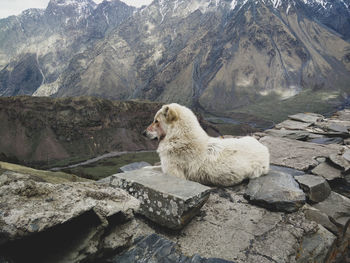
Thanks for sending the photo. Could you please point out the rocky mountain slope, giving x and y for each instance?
(218, 55)
(36, 46)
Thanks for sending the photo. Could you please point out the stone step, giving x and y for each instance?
(166, 200)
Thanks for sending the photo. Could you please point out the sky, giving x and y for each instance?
(15, 7)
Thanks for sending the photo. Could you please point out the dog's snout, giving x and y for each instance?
(144, 133)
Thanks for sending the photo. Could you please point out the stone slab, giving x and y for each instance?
(166, 200)
(327, 171)
(133, 166)
(306, 117)
(296, 154)
(292, 125)
(315, 187)
(276, 191)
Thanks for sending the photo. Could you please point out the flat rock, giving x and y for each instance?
(340, 161)
(277, 191)
(292, 125)
(133, 166)
(315, 187)
(337, 207)
(156, 249)
(296, 154)
(306, 117)
(166, 200)
(327, 171)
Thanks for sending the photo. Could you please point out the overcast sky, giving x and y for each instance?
(15, 7)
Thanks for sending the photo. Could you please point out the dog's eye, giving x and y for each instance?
(156, 121)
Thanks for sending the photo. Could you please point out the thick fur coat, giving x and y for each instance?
(186, 151)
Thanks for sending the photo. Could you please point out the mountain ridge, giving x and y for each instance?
(194, 50)
(215, 55)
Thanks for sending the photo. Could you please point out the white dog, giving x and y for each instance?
(186, 151)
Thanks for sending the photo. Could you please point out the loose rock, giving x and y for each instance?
(327, 171)
(277, 191)
(316, 188)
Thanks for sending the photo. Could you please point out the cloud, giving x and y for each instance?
(15, 7)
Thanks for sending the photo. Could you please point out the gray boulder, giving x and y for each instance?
(277, 191)
(166, 200)
(61, 222)
(316, 188)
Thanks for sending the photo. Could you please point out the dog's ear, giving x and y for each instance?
(170, 114)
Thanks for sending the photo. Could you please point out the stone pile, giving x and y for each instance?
(299, 212)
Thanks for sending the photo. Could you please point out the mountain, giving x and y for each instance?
(36, 46)
(219, 55)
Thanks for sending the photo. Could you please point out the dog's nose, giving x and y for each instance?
(144, 133)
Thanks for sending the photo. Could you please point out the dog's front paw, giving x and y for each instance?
(157, 168)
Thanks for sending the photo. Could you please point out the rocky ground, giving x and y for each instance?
(299, 212)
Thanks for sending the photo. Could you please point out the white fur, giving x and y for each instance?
(186, 151)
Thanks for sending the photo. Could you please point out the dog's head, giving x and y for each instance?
(163, 119)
